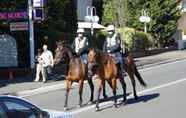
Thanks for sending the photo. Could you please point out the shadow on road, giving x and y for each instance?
(144, 98)
(2, 85)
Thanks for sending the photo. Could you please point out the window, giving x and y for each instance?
(18, 109)
(2, 112)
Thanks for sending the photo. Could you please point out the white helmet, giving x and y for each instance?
(81, 30)
(110, 28)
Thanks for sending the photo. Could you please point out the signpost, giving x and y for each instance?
(38, 3)
(92, 17)
(144, 18)
(38, 10)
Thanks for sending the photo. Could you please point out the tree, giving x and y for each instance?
(61, 22)
(164, 16)
(115, 11)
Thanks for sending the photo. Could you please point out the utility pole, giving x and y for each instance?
(31, 34)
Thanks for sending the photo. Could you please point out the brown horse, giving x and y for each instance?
(107, 69)
(76, 71)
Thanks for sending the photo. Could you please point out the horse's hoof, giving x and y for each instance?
(90, 102)
(115, 105)
(105, 96)
(124, 102)
(79, 106)
(97, 109)
(136, 97)
(65, 108)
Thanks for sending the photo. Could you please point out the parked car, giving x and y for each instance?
(15, 107)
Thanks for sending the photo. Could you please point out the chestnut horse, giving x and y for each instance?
(76, 71)
(107, 69)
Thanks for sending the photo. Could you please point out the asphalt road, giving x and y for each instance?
(163, 98)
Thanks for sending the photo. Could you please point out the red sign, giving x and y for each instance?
(13, 15)
(19, 26)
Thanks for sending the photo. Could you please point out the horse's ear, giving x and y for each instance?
(90, 49)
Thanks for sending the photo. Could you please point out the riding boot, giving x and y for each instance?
(90, 67)
(123, 72)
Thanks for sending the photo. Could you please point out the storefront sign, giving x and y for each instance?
(18, 26)
(13, 15)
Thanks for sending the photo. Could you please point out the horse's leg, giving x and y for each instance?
(114, 91)
(68, 84)
(131, 76)
(91, 88)
(81, 83)
(101, 83)
(104, 91)
(123, 84)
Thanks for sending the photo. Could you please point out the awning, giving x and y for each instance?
(87, 25)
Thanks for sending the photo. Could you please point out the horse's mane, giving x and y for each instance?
(68, 48)
(102, 57)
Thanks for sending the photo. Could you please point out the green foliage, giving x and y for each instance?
(98, 39)
(108, 14)
(115, 11)
(141, 41)
(135, 40)
(164, 16)
(127, 36)
(61, 22)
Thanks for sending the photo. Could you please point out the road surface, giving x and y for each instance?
(163, 98)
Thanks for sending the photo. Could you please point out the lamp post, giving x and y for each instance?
(144, 18)
(33, 5)
(31, 33)
(91, 17)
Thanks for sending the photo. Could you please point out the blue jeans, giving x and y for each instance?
(84, 58)
(119, 60)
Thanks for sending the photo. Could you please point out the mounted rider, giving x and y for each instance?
(81, 45)
(114, 46)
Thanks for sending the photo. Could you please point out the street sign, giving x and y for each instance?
(18, 26)
(38, 14)
(144, 19)
(38, 3)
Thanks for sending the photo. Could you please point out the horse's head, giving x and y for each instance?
(92, 56)
(97, 56)
(63, 53)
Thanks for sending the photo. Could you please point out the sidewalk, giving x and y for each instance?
(25, 85)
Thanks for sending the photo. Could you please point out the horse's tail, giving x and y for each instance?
(140, 79)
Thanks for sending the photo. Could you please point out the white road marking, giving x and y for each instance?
(161, 65)
(131, 95)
